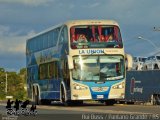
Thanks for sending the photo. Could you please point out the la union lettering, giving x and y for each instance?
(91, 51)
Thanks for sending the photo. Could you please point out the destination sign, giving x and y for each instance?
(91, 51)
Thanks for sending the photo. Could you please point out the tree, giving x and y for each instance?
(23, 76)
(2, 69)
(15, 86)
(22, 71)
(2, 83)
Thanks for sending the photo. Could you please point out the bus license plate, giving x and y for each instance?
(100, 96)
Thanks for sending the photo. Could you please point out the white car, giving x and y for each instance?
(138, 63)
(152, 62)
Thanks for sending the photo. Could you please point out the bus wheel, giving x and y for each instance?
(45, 102)
(110, 102)
(77, 102)
(80, 102)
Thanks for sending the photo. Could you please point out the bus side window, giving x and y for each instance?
(50, 70)
(55, 70)
(41, 72)
(64, 35)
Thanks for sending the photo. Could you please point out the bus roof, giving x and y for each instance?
(91, 22)
(78, 22)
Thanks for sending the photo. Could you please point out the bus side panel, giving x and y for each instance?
(50, 89)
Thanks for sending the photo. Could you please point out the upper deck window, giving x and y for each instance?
(94, 36)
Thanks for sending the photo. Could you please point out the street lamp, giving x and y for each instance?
(154, 45)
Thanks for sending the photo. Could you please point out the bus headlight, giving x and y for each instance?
(79, 87)
(118, 86)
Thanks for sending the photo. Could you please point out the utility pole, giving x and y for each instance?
(6, 83)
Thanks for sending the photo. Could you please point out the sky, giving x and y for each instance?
(21, 19)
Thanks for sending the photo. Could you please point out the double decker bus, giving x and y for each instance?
(76, 61)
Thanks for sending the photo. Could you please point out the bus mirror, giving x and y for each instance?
(70, 62)
(128, 61)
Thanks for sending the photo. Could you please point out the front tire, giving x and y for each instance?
(45, 102)
(77, 102)
(110, 102)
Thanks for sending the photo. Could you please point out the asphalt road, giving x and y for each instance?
(89, 111)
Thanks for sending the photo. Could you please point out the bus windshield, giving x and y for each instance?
(95, 36)
(98, 68)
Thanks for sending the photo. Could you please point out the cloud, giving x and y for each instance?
(12, 48)
(12, 42)
(3, 29)
(28, 2)
(12, 62)
(93, 5)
